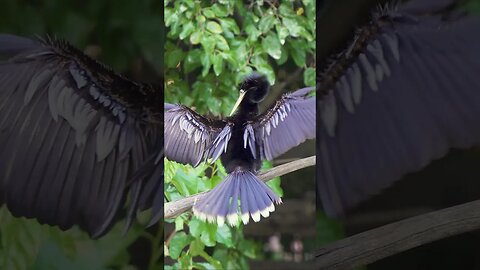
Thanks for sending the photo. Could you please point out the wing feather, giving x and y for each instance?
(415, 95)
(67, 145)
(191, 138)
(288, 123)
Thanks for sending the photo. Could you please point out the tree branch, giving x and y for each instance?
(373, 245)
(173, 209)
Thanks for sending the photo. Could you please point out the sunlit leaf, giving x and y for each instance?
(214, 27)
(293, 26)
(196, 37)
(272, 46)
(266, 23)
(224, 236)
(217, 64)
(187, 29)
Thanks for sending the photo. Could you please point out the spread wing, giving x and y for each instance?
(403, 94)
(73, 135)
(191, 138)
(288, 123)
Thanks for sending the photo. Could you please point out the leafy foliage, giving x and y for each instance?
(210, 47)
(25, 244)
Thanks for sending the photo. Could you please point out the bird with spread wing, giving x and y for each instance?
(241, 141)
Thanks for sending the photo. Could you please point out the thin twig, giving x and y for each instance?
(173, 209)
(373, 245)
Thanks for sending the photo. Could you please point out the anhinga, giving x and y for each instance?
(75, 138)
(403, 93)
(242, 141)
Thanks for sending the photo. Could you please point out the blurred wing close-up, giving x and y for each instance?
(401, 94)
(74, 135)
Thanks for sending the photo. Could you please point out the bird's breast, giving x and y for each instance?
(237, 155)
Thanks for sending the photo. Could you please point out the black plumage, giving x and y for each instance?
(402, 94)
(242, 141)
(75, 138)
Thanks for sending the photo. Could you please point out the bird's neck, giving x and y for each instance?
(247, 110)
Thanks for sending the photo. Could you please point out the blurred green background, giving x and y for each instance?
(128, 36)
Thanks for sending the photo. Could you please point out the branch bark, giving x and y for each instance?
(173, 209)
(373, 245)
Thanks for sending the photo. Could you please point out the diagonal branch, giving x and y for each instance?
(373, 245)
(173, 209)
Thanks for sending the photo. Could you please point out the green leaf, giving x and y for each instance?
(222, 43)
(252, 32)
(224, 236)
(208, 43)
(297, 51)
(266, 23)
(213, 106)
(203, 266)
(293, 27)
(193, 60)
(231, 25)
(275, 185)
(220, 10)
(168, 12)
(185, 183)
(170, 18)
(209, 235)
(262, 66)
(304, 33)
(186, 30)
(217, 64)
(284, 56)
(309, 77)
(286, 10)
(196, 227)
(282, 33)
(179, 223)
(196, 247)
(208, 12)
(240, 53)
(214, 27)
(174, 57)
(272, 46)
(178, 243)
(196, 37)
(184, 262)
(229, 57)
(248, 248)
(201, 19)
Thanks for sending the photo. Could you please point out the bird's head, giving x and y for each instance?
(253, 89)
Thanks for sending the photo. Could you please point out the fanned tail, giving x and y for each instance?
(242, 194)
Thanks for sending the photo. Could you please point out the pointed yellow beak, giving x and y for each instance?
(239, 100)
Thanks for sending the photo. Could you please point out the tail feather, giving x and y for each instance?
(242, 194)
(219, 202)
(232, 216)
